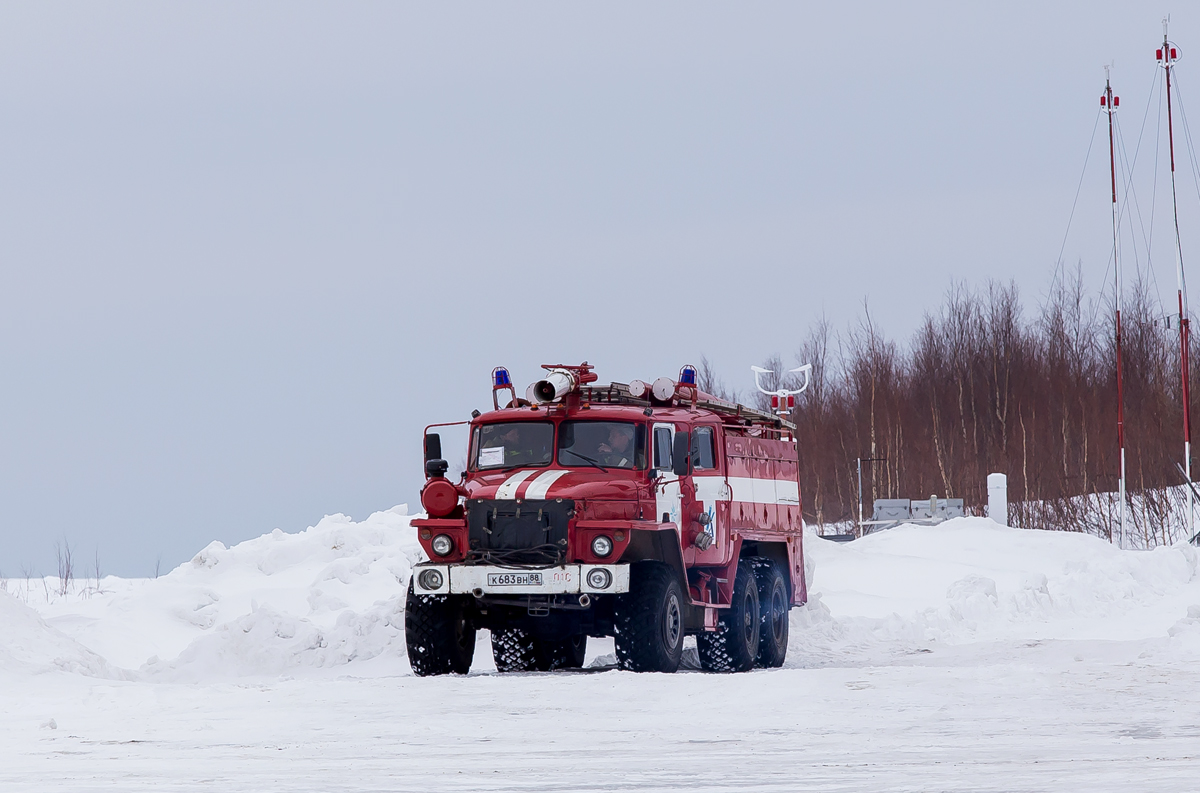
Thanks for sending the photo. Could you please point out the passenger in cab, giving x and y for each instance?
(617, 450)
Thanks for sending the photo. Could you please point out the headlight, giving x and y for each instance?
(442, 544)
(598, 578)
(430, 579)
(602, 546)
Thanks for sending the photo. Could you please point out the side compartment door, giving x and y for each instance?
(667, 496)
(712, 491)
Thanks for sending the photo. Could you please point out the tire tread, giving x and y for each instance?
(720, 650)
(766, 572)
(430, 623)
(638, 636)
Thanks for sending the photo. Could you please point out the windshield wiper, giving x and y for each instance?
(587, 460)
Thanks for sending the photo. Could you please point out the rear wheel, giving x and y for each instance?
(514, 650)
(733, 646)
(649, 620)
(773, 607)
(565, 654)
(439, 633)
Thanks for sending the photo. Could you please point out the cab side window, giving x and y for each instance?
(703, 455)
(662, 448)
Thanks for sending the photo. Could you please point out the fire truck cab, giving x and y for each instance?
(644, 512)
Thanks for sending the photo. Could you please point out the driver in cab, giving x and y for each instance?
(508, 448)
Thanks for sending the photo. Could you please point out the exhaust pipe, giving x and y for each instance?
(557, 383)
(584, 601)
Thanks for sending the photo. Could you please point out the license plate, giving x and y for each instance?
(514, 579)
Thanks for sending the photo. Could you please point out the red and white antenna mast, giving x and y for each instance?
(1166, 58)
(1109, 104)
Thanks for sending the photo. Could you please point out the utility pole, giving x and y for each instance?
(1166, 58)
(1109, 103)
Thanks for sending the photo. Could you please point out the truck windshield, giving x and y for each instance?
(609, 444)
(512, 444)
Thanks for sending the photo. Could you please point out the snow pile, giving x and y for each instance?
(970, 580)
(320, 598)
(330, 599)
(1185, 634)
(30, 645)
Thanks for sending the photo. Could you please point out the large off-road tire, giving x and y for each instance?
(649, 620)
(733, 646)
(773, 606)
(565, 654)
(514, 650)
(439, 633)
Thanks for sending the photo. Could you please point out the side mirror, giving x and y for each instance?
(433, 447)
(435, 466)
(681, 454)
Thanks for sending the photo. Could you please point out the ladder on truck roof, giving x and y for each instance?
(618, 394)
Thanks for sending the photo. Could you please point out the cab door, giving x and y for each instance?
(666, 492)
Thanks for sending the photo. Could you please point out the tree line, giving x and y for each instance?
(984, 387)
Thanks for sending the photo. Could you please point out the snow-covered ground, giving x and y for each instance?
(958, 657)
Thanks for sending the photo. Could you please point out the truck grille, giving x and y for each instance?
(518, 532)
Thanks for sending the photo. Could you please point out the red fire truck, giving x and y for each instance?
(640, 511)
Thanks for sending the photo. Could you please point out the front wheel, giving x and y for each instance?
(649, 620)
(439, 633)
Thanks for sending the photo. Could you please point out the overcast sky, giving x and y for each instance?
(250, 249)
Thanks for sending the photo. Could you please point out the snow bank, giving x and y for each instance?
(330, 599)
(971, 580)
(1185, 634)
(30, 645)
(274, 605)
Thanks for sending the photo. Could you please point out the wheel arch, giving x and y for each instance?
(658, 545)
(777, 552)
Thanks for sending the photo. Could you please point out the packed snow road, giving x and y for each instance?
(959, 657)
(1003, 719)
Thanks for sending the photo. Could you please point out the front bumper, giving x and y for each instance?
(570, 579)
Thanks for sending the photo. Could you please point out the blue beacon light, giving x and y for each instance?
(500, 378)
(687, 375)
